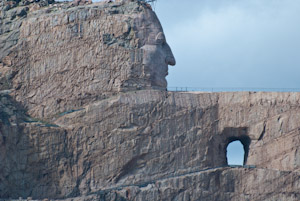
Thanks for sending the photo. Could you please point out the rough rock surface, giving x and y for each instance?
(141, 137)
(85, 115)
(63, 58)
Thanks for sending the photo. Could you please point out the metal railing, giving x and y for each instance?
(232, 89)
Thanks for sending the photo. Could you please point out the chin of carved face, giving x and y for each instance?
(158, 77)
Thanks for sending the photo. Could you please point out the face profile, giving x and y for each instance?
(157, 54)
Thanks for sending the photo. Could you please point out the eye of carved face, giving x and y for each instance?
(160, 38)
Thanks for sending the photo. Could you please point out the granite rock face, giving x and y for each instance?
(85, 115)
(136, 139)
(99, 50)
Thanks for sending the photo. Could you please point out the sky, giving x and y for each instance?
(223, 44)
(232, 43)
(235, 153)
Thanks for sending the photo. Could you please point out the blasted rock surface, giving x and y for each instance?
(138, 138)
(63, 57)
(85, 115)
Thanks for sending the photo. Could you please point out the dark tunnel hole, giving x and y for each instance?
(245, 141)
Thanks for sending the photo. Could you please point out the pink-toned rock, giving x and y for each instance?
(99, 50)
(81, 2)
(85, 115)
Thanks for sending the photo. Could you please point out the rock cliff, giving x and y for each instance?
(61, 57)
(85, 114)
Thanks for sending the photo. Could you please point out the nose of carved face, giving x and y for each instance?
(170, 59)
(160, 40)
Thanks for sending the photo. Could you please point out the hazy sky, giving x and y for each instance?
(233, 43)
(235, 153)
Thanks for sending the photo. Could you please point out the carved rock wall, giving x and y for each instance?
(271, 121)
(85, 115)
(96, 49)
(137, 138)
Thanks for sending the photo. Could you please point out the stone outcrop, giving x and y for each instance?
(143, 137)
(238, 184)
(99, 50)
(85, 115)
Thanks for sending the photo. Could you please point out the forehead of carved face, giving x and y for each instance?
(157, 54)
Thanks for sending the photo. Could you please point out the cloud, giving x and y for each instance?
(233, 43)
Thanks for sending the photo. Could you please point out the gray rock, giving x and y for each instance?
(103, 127)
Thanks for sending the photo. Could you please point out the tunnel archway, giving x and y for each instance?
(235, 153)
(237, 150)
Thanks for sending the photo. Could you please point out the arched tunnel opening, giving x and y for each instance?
(237, 150)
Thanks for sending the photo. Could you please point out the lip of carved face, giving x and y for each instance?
(159, 75)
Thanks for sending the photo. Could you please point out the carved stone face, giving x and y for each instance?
(121, 48)
(157, 54)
